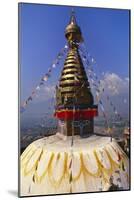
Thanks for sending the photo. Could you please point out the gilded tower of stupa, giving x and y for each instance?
(75, 107)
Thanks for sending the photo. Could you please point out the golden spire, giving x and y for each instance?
(74, 89)
(73, 31)
(74, 82)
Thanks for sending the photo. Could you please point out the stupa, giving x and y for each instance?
(80, 161)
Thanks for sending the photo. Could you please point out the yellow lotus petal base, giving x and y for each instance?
(51, 166)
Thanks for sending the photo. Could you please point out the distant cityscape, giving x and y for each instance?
(35, 128)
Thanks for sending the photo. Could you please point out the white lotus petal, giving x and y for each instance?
(103, 158)
(113, 153)
(90, 162)
(43, 163)
(76, 165)
(33, 159)
(57, 166)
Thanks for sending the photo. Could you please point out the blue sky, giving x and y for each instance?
(105, 31)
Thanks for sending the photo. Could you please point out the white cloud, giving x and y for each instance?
(114, 84)
(117, 88)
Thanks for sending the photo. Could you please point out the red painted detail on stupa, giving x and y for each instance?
(77, 114)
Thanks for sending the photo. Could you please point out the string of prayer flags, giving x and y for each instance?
(91, 71)
(46, 76)
(92, 76)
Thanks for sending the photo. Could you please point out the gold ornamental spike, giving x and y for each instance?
(72, 18)
(73, 31)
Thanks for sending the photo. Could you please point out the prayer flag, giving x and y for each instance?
(29, 98)
(53, 65)
(38, 88)
(66, 47)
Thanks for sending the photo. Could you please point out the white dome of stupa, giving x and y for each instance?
(51, 166)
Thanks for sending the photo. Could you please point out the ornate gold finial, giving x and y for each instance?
(73, 31)
(72, 18)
